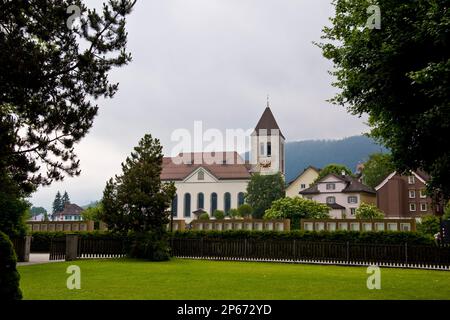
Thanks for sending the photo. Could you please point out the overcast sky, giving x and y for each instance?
(214, 61)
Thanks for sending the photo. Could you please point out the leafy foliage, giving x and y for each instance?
(14, 208)
(50, 76)
(429, 225)
(219, 214)
(9, 277)
(295, 209)
(137, 200)
(368, 211)
(377, 168)
(388, 237)
(337, 169)
(399, 76)
(245, 210)
(262, 190)
(204, 216)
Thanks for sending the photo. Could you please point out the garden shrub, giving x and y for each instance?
(9, 277)
(149, 246)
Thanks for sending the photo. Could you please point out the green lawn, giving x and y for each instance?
(193, 279)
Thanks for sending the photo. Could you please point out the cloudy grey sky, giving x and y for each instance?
(214, 61)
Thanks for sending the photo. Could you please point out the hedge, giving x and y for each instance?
(9, 277)
(41, 240)
(382, 237)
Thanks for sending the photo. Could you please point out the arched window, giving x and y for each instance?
(241, 199)
(227, 202)
(175, 206)
(200, 201)
(201, 175)
(331, 200)
(187, 205)
(213, 202)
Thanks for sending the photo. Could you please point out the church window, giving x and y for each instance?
(213, 202)
(200, 201)
(227, 202)
(201, 175)
(187, 205)
(269, 149)
(241, 199)
(175, 206)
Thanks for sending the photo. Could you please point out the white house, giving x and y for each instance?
(212, 181)
(342, 193)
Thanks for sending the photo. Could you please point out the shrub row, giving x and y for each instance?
(41, 240)
(386, 237)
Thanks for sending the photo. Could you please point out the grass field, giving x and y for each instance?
(193, 279)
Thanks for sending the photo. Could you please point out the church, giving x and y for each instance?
(209, 181)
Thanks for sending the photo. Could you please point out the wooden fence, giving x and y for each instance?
(393, 255)
(22, 248)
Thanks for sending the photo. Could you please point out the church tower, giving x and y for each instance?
(267, 145)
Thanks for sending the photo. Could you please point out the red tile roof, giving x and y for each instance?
(222, 165)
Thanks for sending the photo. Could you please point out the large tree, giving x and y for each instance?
(378, 167)
(334, 168)
(51, 73)
(398, 74)
(262, 190)
(137, 200)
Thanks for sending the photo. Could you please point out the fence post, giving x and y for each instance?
(406, 252)
(71, 247)
(245, 248)
(294, 249)
(348, 251)
(201, 247)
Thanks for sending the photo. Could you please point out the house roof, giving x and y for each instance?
(419, 174)
(268, 122)
(353, 185)
(222, 165)
(335, 206)
(71, 209)
(304, 170)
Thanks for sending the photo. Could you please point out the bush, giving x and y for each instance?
(368, 211)
(9, 277)
(149, 246)
(203, 216)
(234, 213)
(295, 209)
(385, 237)
(245, 210)
(429, 225)
(219, 214)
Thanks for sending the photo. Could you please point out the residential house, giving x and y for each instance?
(303, 181)
(342, 193)
(71, 212)
(404, 196)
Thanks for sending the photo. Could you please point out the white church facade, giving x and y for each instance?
(207, 182)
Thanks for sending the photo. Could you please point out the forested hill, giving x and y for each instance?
(349, 151)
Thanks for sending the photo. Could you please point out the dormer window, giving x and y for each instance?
(411, 180)
(331, 186)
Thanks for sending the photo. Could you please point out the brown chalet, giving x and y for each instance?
(404, 196)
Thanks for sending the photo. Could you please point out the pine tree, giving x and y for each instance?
(137, 200)
(57, 205)
(64, 200)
